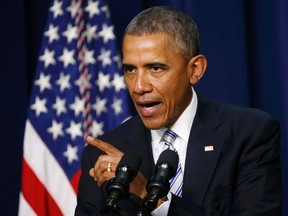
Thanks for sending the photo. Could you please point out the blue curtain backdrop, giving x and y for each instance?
(245, 42)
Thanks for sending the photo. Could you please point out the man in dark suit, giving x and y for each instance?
(230, 156)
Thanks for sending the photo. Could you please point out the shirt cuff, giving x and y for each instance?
(163, 208)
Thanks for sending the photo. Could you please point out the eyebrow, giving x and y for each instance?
(156, 64)
(125, 66)
(148, 65)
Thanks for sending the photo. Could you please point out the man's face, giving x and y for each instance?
(157, 79)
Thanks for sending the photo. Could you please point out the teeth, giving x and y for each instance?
(148, 107)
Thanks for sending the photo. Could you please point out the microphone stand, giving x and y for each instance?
(144, 209)
(149, 203)
(114, 209)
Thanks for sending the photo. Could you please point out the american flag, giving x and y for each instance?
(78, 90)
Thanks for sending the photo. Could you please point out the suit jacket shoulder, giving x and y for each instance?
(246, 153)
(240, 176)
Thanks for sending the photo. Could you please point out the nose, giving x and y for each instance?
(142, 83)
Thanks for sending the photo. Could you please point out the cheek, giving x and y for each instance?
(128, 84)
(168, 90)
(176, 95)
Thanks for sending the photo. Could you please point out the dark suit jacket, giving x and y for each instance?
(242, 176)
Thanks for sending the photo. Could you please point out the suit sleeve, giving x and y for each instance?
(90, 199)
(258, 185)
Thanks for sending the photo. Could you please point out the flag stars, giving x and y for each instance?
(48, 57)
(117, 106)
(103, 81)
(90, 32)
(67, 57)
(39, 106)
(56, 129)
(83, 82)
(118, 82)
(107, 33)
(59, 106)
(63, 82)
(71, 153)
(52, 33)
(43, 82)
(97, 128)
(70, 33)
(78, 81)
(56, 9)
(92, 8)
(100, 106)
(77, 106)
(74, 130)
(118, 61)
(73, 8)
(106, 10)
(89, 57)
(105, 57)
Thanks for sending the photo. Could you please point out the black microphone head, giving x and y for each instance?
(118, 187)
(131, 162)
(169, 157)
(159, 186)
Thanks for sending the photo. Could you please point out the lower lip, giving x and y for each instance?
(148, 111)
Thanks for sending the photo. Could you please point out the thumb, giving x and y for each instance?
(91, 172)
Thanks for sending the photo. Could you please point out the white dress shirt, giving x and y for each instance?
(182, 128)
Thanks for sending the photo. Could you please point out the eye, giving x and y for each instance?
(129, 68)
(156, 69)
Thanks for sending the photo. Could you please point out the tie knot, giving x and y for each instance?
(168, 137)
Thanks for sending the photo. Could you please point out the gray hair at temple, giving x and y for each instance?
(162, 19)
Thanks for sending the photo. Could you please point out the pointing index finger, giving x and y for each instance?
(106, 147)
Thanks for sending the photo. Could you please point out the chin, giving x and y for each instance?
(152, 124)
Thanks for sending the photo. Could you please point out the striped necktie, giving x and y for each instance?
(176, 182)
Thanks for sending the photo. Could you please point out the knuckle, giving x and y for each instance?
(107, 176)
(101, 158)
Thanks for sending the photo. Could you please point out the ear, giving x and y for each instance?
(197, 66)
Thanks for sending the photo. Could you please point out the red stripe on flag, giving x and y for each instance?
(74, 181)
(36, 194)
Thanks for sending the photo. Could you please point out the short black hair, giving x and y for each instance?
(163, 19)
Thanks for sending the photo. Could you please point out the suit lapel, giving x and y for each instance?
(207, 130)
(140, 141)
(200, 164)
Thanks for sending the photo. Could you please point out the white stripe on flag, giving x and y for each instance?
(43, 163)
(24, 207)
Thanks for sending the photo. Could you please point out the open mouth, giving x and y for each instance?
(148, 109)
(149, 105)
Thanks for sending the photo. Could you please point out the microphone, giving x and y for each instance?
(159, 186)
(118, 187)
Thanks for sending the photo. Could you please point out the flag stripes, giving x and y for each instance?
(78, 90)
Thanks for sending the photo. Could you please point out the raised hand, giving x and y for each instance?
(105, 167)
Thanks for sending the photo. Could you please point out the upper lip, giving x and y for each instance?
(145, 102)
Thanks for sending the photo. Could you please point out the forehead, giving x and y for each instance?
(152, 44)
(142, 41)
